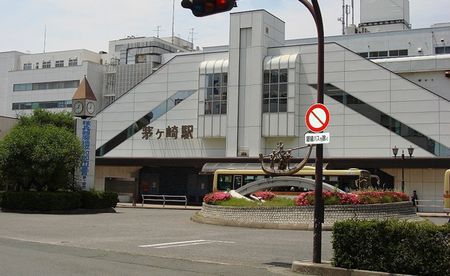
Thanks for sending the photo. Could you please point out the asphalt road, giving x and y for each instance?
(145, 242)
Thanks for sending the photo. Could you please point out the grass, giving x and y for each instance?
(275, 202)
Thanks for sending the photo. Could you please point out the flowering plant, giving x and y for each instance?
(212, 198)
(366, 197)
(330, 198)
(264, 195)
(372, 197)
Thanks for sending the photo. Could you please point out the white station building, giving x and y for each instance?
(387, 86)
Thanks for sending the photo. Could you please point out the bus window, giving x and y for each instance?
(237, 182)
(249, 178)
(225, 182)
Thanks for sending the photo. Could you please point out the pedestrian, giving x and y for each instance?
(414, 199)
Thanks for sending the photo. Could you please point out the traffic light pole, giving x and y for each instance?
(314, 8)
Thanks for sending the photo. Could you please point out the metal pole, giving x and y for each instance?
(403, 172)
(314, 8)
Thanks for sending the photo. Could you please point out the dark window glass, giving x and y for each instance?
(266, 89)
(223, 108)
(282, 105)
(383, 54)
(266, 105)
(274, 90)
(216, 93)
(283, 75)
(283, 90)
(393, 53)
(373, 54)
(403, 53)
(274, 76)
(364, 55)
(266, 76)
(273, 105)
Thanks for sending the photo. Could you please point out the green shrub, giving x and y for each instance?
(98, 200)
(40, 201)
(392, 246)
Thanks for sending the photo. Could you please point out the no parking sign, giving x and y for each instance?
(317, 119)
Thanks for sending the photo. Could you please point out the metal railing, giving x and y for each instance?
(165, 198)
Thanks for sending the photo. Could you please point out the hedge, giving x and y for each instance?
(392, 246)
(98, 200)
(57, 201)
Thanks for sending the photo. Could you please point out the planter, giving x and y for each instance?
(301, 217)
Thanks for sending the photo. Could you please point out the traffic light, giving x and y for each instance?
(207, 7)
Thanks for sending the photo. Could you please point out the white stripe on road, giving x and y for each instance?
(182, 243)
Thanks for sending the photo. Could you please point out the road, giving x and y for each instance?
(145, 242)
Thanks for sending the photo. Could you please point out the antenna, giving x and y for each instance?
(173, 20)
(158, 30)
(353, 12)
(191, 36)
(45, 36)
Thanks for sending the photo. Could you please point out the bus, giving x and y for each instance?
(348, 179)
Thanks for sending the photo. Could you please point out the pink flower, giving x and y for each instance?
(217, 196)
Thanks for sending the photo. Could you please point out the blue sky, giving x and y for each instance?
(90, 24)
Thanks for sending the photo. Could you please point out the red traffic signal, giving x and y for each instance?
(207, 7)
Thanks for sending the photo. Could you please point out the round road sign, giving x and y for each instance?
(317, 117)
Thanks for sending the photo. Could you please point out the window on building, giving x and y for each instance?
(73, 61)
(37, 65)
(216, 93)
(364, 54)
(46, 85)
(46, 105)
(46, 64)
(27, 66)
(59, 63)
(275, 90)
(442, 50)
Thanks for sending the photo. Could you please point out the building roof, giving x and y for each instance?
(84, 91)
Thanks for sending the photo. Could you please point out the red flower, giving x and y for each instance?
(217, 196)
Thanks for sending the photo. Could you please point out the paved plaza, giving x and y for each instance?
(137, 241)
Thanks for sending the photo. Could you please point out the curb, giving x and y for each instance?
(197, 217)
(308, 268)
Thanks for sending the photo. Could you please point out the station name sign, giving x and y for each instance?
(174, 132)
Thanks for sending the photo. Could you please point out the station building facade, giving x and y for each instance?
(229, 104)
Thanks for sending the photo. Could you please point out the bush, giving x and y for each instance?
(392, 246)
(56, 201)
(367, 197)
(40, 201)
(98, 200)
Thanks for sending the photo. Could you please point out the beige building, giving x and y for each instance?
(6, 123)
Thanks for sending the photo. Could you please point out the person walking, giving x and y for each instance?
(414, 199)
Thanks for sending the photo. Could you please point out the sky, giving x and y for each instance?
(91, 24)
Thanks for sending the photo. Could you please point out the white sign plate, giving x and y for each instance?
(317, 138)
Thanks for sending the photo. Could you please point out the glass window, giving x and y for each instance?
(275, 91)
(216, 93)
(46, 85)
(59, 63)
(27, 66)
(403, 53)
(73, 61)
(46, 64)
(364, 55)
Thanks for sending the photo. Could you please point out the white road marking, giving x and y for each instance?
(181, 243)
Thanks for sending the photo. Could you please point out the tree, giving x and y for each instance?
(41, 152)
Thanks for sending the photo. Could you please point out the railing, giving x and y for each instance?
(165, 198)
(433, 206)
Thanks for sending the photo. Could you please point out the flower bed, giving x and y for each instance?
(298, 213)
(329, 198)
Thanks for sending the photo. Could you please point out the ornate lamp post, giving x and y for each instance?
(410, 152)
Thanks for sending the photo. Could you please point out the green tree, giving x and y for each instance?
(41, 152)
(42, 117)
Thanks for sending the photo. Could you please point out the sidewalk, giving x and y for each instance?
(158, 206)
(434, 215)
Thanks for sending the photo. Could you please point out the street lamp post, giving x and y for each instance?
(410, 152)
